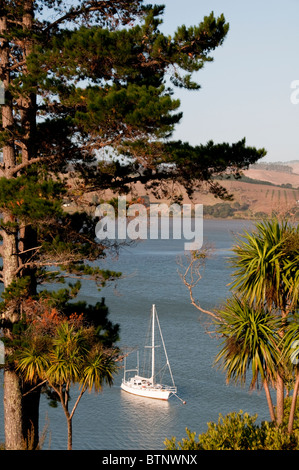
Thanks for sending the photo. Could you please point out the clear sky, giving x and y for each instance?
(246, 91)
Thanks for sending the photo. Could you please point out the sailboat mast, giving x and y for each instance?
(153, 343)
(165, 352)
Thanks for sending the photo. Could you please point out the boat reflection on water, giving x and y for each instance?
(145, 418)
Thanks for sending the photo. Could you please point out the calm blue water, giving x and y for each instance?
(115, 420)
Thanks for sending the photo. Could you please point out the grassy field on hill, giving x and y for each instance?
(264, 189)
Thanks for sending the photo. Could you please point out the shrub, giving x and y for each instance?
(237, 431)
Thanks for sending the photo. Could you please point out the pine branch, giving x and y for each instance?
(38, 264)
(89, 7)
(15, 22)
(17, 65)
(37, 248)
(12, 171)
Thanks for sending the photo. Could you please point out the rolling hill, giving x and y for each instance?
(264, 188)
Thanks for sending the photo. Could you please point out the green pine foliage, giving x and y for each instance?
(99, 75)
(29, 199)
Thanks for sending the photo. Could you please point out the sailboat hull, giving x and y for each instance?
(148, 387)
(147, 390)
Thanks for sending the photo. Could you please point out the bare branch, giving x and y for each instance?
(192, 275)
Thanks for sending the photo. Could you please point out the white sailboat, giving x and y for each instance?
(147, 386)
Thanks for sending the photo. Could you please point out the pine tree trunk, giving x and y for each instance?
(13, 412)
(24, 420)
(12, 386)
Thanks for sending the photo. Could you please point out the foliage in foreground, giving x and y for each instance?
(237, 431)
(62, 352)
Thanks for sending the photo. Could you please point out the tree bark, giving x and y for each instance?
(63, 396)
(279, 400)
(269, 401)
(13, 411)
(12, 386)
(69, 434)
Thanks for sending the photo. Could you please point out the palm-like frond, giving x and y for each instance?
(250, 339)
(99, 368)
(63, 368)
(290, 342)
(72, 356)
(33, 363)
(266, 264)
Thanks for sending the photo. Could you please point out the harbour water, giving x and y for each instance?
(116, 420)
